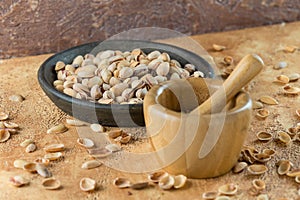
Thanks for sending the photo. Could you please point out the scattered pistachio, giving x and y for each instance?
(121, 183)
(228, 189)
(97, 128)
(217, 47)
(257, 169)
(51, 184)
(54, 148)
(4, 135)
(281, 65)
(74, 122)
(91, 164)
(264, 136)
(210, 195)
(85, 142)
(16, 97)
(268, 100)
(166, 182)
(262, 113)
(60, 128)
(18, 181)
(30, 148)
(239, 167)
(3, 116)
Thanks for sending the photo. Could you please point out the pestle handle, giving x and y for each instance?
(243, 73)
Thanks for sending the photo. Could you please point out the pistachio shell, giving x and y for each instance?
(125, 72)
(99, 152)
(30, 167)
(54, 148)
(96, 92)
(239, 167)
(26, 142)
(209, 195)
(18, 181)
(105, 101)
(156, 176)
(74, 122)
(281, 65)
(97, 128)
(259, 184)
(282, 79)
(166, 182)
(105, 54)
(284, 137)
(114, 133)
(270, 152)
(30, 148)
(59, 65)
(283, 167)
(257, 169)
(294, 77)
(264, 136)
(78, 60)
(53, 156)
(287, 89)
(298, 112)
(118, 89)
(293, 173)
(139, 185)
(60, 128)
(179, 181)
(85, 142)
(17, 98)
(262, 113)
(113, 147)
(228, 189)
(19, 163)
(297, 179)
(217, 47)
(4, 135)
(91, 164)
(3, 116)
(11, 125)
(290, 49)
(43, 171)
(121, 183)
(163, 69)
(51, 184)
(268, 100)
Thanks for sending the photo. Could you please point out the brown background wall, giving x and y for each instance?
(30, 27)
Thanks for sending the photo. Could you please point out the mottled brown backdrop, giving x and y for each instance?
(29, 27)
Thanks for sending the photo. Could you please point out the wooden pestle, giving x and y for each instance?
(243, 73)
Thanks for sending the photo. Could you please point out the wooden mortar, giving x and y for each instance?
(196, 144)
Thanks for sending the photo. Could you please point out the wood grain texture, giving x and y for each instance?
(40, 26)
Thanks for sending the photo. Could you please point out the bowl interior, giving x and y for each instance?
(122, 115)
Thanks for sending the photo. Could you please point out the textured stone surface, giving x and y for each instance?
(40, 26)
(37, 113)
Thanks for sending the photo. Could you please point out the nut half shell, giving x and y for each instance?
(18, 181)
(4, 135)
(122, 183)
(257, 169)
(87, 184)
(54, 148)
(228, 189)
(179, 181)
(51, 184)
(156, 176)
(85, 142)
(166, 182)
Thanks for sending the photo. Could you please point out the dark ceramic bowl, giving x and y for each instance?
(127, 115)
